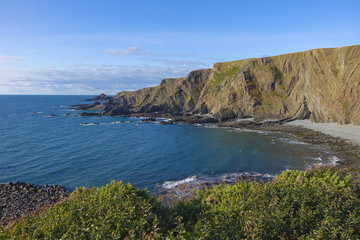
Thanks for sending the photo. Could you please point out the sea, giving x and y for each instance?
(43, 142)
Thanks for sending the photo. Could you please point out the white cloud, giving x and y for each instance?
(130, 51)
(12, 59)
(87, 80)
(193, 64)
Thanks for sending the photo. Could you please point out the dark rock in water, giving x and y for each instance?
(101, 97)
(90, 114)
(52, 115)
(113, 108)
(88, 107)
(119, 111)
(148, 120)
(20, 198)
(67, 114)
(191, 119)
(80, 106)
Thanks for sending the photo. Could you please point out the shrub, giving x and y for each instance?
(296, 205)
(116, 211)
(317, 204)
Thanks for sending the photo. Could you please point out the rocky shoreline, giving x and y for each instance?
(20, 198)
(348, 151)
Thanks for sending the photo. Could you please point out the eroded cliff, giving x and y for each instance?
(322, 85)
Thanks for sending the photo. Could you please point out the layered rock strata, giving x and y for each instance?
(322, 85)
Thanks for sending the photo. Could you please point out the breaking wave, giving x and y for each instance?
(217, 179)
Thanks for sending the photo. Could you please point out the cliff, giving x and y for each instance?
(322, 85)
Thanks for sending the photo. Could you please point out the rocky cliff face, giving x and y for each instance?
(322, 85)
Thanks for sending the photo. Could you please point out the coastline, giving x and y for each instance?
(348, 132)
(342, 140)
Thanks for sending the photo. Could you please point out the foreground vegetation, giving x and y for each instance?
(317, 204)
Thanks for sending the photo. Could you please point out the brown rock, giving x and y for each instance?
(322, 85)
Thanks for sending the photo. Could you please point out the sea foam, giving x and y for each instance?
(217, 179)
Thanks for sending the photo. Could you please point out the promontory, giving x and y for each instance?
(322, 85)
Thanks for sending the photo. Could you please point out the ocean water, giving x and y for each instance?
(41, 145)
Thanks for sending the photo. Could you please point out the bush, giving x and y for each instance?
(296, 205)
(318, 204)
(116, 211)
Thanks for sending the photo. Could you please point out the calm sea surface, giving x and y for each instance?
(40, 148)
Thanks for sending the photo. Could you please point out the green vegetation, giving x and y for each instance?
(311, 205)
(277, 74)
(317, 204)
(276, 94)
(114, 211)
(232, 71)
(219, 77)
(335, 71)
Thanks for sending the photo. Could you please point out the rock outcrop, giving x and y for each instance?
(101, 97)
(322, 85)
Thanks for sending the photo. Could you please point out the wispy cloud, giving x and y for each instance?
(87, 80)
(4, 58)
(192, 64)
(130, 51)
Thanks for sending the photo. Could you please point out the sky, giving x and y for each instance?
(88, 47)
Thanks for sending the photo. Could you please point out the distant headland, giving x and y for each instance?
(322, 85)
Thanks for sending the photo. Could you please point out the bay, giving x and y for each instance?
(40, 144)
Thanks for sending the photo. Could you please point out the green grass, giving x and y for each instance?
(219, 77)
(317, 204)
(232, 71)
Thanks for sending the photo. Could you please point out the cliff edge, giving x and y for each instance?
(322, 85)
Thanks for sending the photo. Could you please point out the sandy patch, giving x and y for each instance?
(348, 132)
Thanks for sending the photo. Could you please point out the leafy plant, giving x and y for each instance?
(116, 211)
(316, 204)
(296, 205)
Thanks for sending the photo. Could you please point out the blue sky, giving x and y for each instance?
(93, 46)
